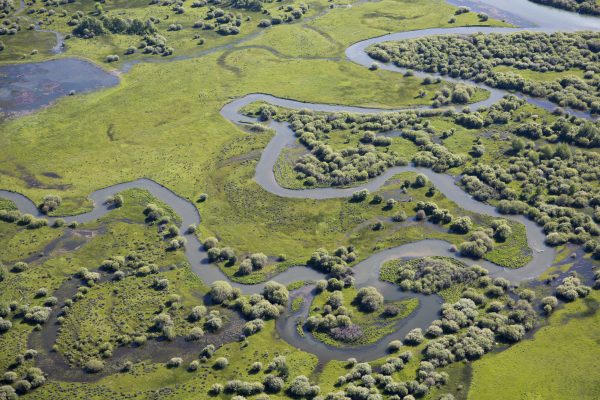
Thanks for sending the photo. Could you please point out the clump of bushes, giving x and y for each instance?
(50, 203)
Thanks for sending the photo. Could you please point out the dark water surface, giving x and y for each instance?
(28, 87)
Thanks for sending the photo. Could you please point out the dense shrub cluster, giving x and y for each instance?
(581, 6)
(26, 220)
(50, 203)
(474, 57)
(290, 14)
(155, 44)
(435, 215)
(431, 274)
(224, 23)
(370, 156)
(369, 299)
(268, 305)
(479, 243)
(334, 264)
(556, 186)
(363, 382)
(86, 26)
(571, 288)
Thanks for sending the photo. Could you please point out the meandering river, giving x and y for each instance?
(367, 271)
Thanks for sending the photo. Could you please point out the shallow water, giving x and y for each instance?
(31, 86)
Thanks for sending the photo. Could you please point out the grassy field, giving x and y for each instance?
(162, 122)
(187, 146)
(559, 362)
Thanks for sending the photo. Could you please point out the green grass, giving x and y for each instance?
(6, 204)
(173, 133)
(349, 25)
(187, 146)
(89, 245)
(297, 303)
(567, 350)
(19, 46)
(147, 378)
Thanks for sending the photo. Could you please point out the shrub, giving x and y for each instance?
(549, 303)
(221, 291)
(391, 311)
(400, 216)
(572, 288)
(221, 363)
(479, 244)
(174, 362)
(197, 313)
(213, 322)
(115, 201)
(37, 315)
(7, 392)
(194, 365)
(420, 181)
(93, 366)
(461, 225)
(369, 299)
(258, 260)
(22, 386)
(348, 333)
(394, 346)
(195, 334)
(511, 333)
(210, 242)
(254, 326)
(276, 293)
(20, 266)
(216, 389)
(256, 367)
(5, 325)
(301, 387)
(273, 384)
(360, 195)
(50, 203)
(414, 337)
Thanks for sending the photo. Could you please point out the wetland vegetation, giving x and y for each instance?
(424, 232)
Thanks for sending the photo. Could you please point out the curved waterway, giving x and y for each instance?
(367, 271)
